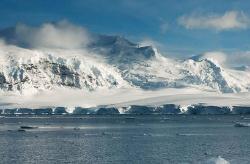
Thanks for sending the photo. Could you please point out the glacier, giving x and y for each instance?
(166, 109)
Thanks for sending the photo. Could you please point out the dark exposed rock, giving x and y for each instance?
(138, 109)
(10, 111)
(25, 111)
(81, 110)
(168, 109)
(2, 79)
(111, 110)
(42, 111)
(60, 110)
(241, 110)
(200, 109)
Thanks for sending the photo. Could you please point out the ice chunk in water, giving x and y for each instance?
(218, 160)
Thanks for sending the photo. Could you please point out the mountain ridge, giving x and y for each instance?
(111, 62)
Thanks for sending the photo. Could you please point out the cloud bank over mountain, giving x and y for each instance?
(50, 35)
(65, 35)
(228, 21)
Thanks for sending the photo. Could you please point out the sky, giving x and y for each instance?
(181, 28)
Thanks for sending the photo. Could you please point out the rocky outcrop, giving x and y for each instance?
(201, 109)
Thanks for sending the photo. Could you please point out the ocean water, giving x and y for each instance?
(125, 139)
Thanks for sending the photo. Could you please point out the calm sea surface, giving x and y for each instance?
(124, 139)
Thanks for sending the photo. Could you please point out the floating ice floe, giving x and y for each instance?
(217, 160)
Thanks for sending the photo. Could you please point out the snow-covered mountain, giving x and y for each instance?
(111, 62)
(30, 71)
(148, 69)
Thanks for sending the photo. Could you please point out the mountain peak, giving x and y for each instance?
(109, 41)
(117, 49)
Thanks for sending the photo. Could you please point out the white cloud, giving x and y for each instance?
(150, 42)
(229, 20)
(234, 59)
(240, 58)
(59, 35)
(216, 56)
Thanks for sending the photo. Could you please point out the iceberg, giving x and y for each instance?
(241, 124)
(217, 160)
